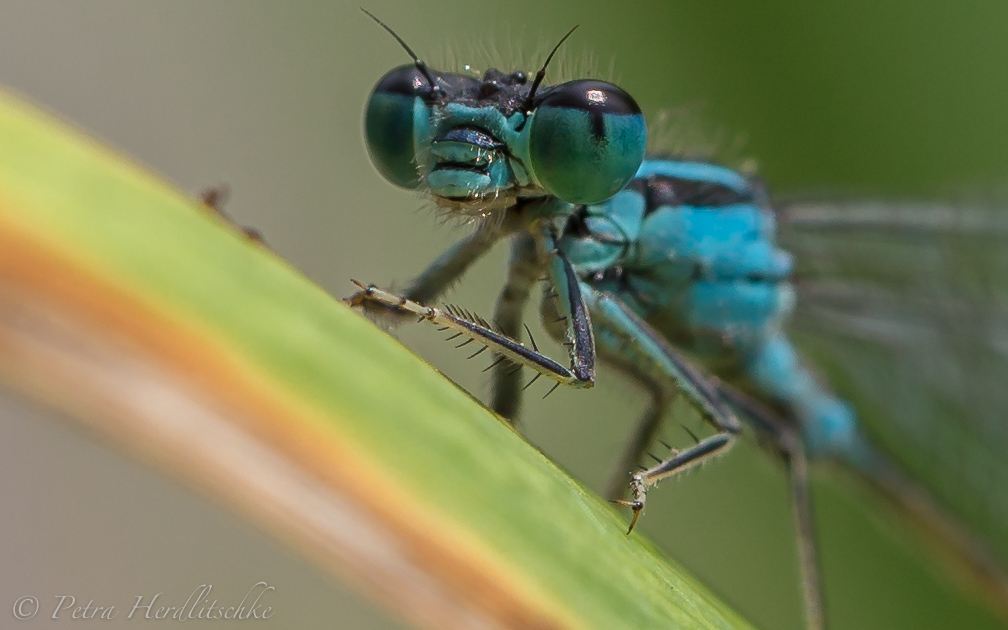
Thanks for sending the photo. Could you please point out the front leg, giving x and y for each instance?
(528, 259)
(580, 341)
(573, 311)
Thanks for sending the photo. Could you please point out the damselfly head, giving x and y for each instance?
(478, 144)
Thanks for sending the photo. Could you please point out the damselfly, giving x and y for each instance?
(670, 270)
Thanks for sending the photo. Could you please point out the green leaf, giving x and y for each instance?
(147, 317)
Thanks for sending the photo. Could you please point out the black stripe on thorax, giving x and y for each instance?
(664, 190)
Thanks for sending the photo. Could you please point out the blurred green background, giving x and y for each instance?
(894, 99)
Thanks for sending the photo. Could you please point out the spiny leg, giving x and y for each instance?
(629, 341)
(773, 432)
(678, 462)
(523, 271)
(464, 323)
(580, 341)
(643, 436)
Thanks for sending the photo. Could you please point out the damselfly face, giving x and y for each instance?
(480, 144)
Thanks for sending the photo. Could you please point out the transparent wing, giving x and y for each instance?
(904, 310)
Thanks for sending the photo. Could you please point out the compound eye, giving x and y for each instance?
(586, 140)
(388, 124)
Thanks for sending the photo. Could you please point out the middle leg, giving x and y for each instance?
(524, 269)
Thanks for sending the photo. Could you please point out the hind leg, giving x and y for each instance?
(645, 434)
(629, 342)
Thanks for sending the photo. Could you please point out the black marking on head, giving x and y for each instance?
(488, 89)
(471, 135)
(591, 96)
(595, 98)
(458, 166)
(505, 92)
(404, 81)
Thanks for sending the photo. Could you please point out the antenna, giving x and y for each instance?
(542, 71)
(420, 65)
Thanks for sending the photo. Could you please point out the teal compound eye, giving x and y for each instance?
(388, 124)
(586, 140)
